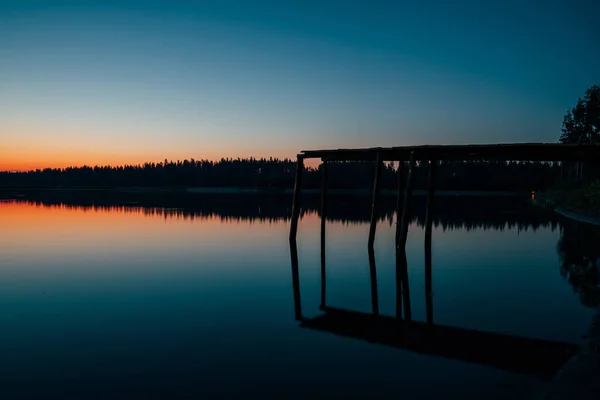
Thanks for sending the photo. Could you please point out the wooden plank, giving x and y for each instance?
(499, 152)
(296, 203)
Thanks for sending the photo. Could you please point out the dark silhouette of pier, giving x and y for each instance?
(509, 352)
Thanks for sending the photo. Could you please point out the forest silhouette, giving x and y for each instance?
(276, 173)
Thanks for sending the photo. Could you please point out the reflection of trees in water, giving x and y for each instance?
(451, 212)
(577, 247)
(579, 254)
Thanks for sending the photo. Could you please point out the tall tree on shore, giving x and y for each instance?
(581, 124)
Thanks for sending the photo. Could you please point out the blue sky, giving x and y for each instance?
(115, 82)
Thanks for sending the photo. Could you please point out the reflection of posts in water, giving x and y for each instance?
(402, 288)
(373, 275)
(399, 210)
(428, 278)
(398, 286)
(296, 204)
(296, 280)
(323, 216)
(428, 227)
(373, 226)
(375, 203)
(402, 219)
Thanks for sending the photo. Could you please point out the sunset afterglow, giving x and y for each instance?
(121, 83)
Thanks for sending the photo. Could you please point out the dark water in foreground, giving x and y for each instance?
(122, 297)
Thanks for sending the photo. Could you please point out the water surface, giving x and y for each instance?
(111, 296)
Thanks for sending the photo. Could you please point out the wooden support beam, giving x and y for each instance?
(402, 288)
(498, 152)
(373, 275)
(399, 209)
(296, 203)
(406, 210)
(323, 219)
(428, 229)
(375, 203)
(296, 280)
(400, 201)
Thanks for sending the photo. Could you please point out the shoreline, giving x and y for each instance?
(261, 191)
(574, 214)
(578, 215)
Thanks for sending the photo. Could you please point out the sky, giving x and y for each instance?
(124, 82)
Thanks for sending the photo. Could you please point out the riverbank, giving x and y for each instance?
(583, 199)
(581, 203)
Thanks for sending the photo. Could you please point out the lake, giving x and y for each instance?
(117, 295)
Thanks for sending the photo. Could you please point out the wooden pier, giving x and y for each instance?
(522, 354)
(431, 154)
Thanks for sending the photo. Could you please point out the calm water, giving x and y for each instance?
(111, 296)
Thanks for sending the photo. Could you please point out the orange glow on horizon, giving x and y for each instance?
(13, 162)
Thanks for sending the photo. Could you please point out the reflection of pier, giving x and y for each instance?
(525, 355)
(514, 353)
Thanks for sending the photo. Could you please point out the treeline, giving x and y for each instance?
(280, 174)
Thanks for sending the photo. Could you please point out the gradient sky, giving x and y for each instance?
(126, 82)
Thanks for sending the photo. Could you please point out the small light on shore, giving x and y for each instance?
(533, 195)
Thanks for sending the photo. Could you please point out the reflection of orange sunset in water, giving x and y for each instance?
(166, 233)
(38, 224)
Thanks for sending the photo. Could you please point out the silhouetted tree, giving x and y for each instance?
(581, 124)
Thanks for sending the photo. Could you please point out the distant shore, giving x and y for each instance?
(238, 190)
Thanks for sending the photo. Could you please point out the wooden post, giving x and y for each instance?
(399, 211)
(401, 242)
(402, 288)
(428, 228)
(296, 280)
(323, 216)
(562, 171)
(375, 203)
(400, 201)
(373, 275)
(296, 203)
